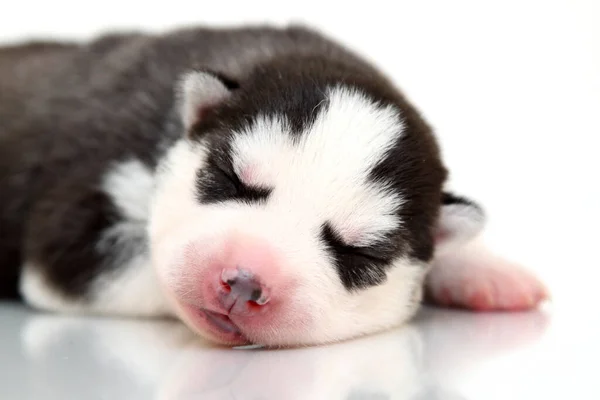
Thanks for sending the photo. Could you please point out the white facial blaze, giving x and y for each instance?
(324, 174)
(317, 176)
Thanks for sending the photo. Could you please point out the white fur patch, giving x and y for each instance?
(131, 290)
(323, 176)
(130, 185)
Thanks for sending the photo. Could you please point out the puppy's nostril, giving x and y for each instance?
(255, 295)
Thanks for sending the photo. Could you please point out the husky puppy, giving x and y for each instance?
(262, 184)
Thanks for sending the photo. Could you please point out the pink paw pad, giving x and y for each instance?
(496, 287)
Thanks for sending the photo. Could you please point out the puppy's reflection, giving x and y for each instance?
(162, 360)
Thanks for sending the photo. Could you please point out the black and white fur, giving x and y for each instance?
(118, 153)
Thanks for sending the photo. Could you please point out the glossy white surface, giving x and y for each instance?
(442, 355)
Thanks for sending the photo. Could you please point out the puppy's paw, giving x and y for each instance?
(483, 282)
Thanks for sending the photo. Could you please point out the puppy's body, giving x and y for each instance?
(70, 111)
(285, 168)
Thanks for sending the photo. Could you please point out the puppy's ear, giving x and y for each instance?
(460, 220)
(199, 92)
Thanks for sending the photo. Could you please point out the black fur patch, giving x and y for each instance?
(413, 168)
(9, 274)
(65, 228)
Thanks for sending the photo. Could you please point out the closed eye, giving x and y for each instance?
(216, 184)
(375, 252)
(358, 267)
(369, 253)
(231, 176)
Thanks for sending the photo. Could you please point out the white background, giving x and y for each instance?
(512, 88)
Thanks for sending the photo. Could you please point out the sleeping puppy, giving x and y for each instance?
(264, 185)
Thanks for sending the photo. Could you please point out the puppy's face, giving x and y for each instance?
(304, 214)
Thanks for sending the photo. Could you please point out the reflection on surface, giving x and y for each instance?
(70, 357)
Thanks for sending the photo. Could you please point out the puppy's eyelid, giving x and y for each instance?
(372, 251)
(230, 173)
(369, 252)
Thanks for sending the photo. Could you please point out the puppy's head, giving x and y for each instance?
(299, 207)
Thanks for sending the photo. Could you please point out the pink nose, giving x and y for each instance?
(242, 292)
